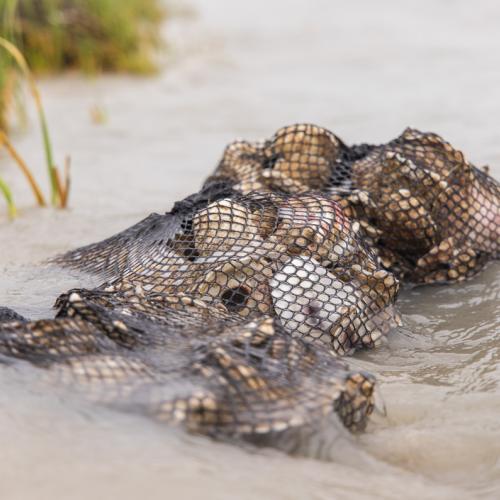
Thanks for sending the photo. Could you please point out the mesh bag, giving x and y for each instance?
(185, 362)
(294, 257)
(229, 313)
(226, 315)
(429, 214)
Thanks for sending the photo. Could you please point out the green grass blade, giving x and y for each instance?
(23, 65)
(8, 198)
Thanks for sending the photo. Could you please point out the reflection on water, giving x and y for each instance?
(365, 70)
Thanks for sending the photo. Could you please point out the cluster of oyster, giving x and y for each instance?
(128, 348)
(297, 159)
(429, 214)
(296, 257)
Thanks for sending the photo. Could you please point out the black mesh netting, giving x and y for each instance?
(429, 214)
(229, 313)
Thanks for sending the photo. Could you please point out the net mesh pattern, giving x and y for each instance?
(294, 257)
(430, 214)
(184, 362)
(229, 313)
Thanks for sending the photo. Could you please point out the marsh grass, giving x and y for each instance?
(58, 195)
(42, 36)
(88, 35)
(19, 59)
(10, 91)
(92, 36)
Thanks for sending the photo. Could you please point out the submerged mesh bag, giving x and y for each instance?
(183, 361)
(227, 314)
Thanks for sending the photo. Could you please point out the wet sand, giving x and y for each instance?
(243, 69)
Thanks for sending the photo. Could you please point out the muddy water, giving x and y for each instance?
(364, 69)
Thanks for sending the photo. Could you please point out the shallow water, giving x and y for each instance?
(363, 69)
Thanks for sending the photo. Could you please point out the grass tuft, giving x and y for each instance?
(14, 52)
(89, 35)
(42, 36)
